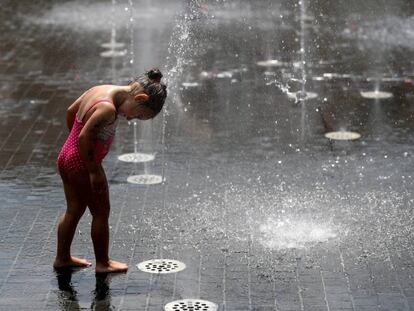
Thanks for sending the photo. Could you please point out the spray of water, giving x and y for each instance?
(135, 137)
(131, 35)
(286, 232)
(302, 94)
(302, 52)
(181, 49)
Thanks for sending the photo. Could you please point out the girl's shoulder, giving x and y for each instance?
(96, 98)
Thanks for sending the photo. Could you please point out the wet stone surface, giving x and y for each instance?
(264, 210)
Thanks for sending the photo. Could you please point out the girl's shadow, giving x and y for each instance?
(67, 296)
(102, 292)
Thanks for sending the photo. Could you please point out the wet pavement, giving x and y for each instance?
(264, 210)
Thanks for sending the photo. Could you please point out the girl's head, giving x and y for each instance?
(149, 92)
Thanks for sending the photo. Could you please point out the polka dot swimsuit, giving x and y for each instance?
(69, 159)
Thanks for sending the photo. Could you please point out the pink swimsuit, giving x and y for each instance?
(69, 159)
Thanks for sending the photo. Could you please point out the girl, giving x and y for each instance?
(92, 120)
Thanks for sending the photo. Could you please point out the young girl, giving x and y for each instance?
(92, 120)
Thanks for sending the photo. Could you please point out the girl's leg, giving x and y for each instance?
(100, 209)
(67, 226)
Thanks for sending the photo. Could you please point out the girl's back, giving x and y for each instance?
(90, 98)
(69, 160)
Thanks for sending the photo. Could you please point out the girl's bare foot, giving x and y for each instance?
(111, 266)
(71, 262)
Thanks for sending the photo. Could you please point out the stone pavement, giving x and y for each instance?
(266, 213)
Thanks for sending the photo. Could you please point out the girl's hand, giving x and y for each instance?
(98, 182)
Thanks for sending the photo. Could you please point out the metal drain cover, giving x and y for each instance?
(136, 157)
(302, 96)
(39, 101)
(190, 84)
(113, 53)
(191, 305)
(343, 135)
(377, 95)
(161, 266)
(113, 45)
(145, 179)
(271, 63)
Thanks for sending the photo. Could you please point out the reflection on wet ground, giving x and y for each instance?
(272, 202)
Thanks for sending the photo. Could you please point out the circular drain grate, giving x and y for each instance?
(113, 53)
(191, 305)
(343, 135)
(161, 266)
(145, 179)
(136, 157)
(302, 96)
(190, 84)
(113, 45)
(376, 95)
(270, 63)
(39, 101)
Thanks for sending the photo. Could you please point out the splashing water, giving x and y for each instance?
(131, 35)
(284, 88)
(302, 94)
(182, 47)
(297, 96)
(288, 233)
(135, 137)
(184, 44)
(178, 49)
(303, 8)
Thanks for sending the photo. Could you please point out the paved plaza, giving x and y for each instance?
(266, 212)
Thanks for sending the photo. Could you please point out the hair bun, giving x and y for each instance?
(154, 74)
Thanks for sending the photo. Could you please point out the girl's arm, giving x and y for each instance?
(103, 115)
(73, 110)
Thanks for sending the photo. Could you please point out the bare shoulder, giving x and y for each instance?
(98, 117)
(106, 110)
(96, 102)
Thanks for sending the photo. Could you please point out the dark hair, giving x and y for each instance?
(150, 81)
